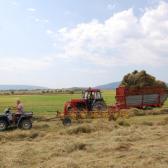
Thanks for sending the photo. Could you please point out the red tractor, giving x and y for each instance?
(92, 100)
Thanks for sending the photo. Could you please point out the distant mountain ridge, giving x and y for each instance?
(108, 86)
(21, 87)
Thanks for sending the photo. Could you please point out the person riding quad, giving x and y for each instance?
(19, 110)
(19, 107)
(19, 119)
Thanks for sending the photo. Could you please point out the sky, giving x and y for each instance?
(82, 43)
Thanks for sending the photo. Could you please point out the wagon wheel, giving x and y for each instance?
(66, 121)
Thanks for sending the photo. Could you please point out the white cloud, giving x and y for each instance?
(31, 9)
(39, 20)
(23, 64)
(49, 32)
(123, 39)
(156, 20)
(14, 3)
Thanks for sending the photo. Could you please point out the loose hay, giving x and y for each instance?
(83, 128)
(123, 122)
(18, 135)
(99, 144)
(141, 79)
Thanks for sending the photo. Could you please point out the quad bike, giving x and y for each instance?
(9, 119)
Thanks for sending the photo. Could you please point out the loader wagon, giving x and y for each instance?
(140, 97)
(126, 98)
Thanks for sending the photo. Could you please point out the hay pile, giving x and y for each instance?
(141, 79)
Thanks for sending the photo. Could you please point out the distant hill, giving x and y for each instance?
(75, 88)
(20, 87)
(108, 86)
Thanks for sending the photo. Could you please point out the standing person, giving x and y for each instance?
(19, 107)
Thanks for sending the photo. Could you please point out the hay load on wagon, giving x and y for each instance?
(141, 79)
(141, 90)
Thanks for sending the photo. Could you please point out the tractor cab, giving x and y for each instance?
(92, 100)
(92, 94)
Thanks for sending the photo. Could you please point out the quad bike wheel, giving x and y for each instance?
(26, 124)
(3, 125)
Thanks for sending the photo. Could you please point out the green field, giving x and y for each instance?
(48, 104)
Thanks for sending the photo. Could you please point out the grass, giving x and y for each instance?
(39, 104)
(100, 143)
(46, 104)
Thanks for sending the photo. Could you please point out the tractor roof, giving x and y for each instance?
(92, 90)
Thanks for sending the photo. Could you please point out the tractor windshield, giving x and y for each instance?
(92, 95)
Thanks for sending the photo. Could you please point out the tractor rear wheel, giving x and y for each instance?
(99, 106)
